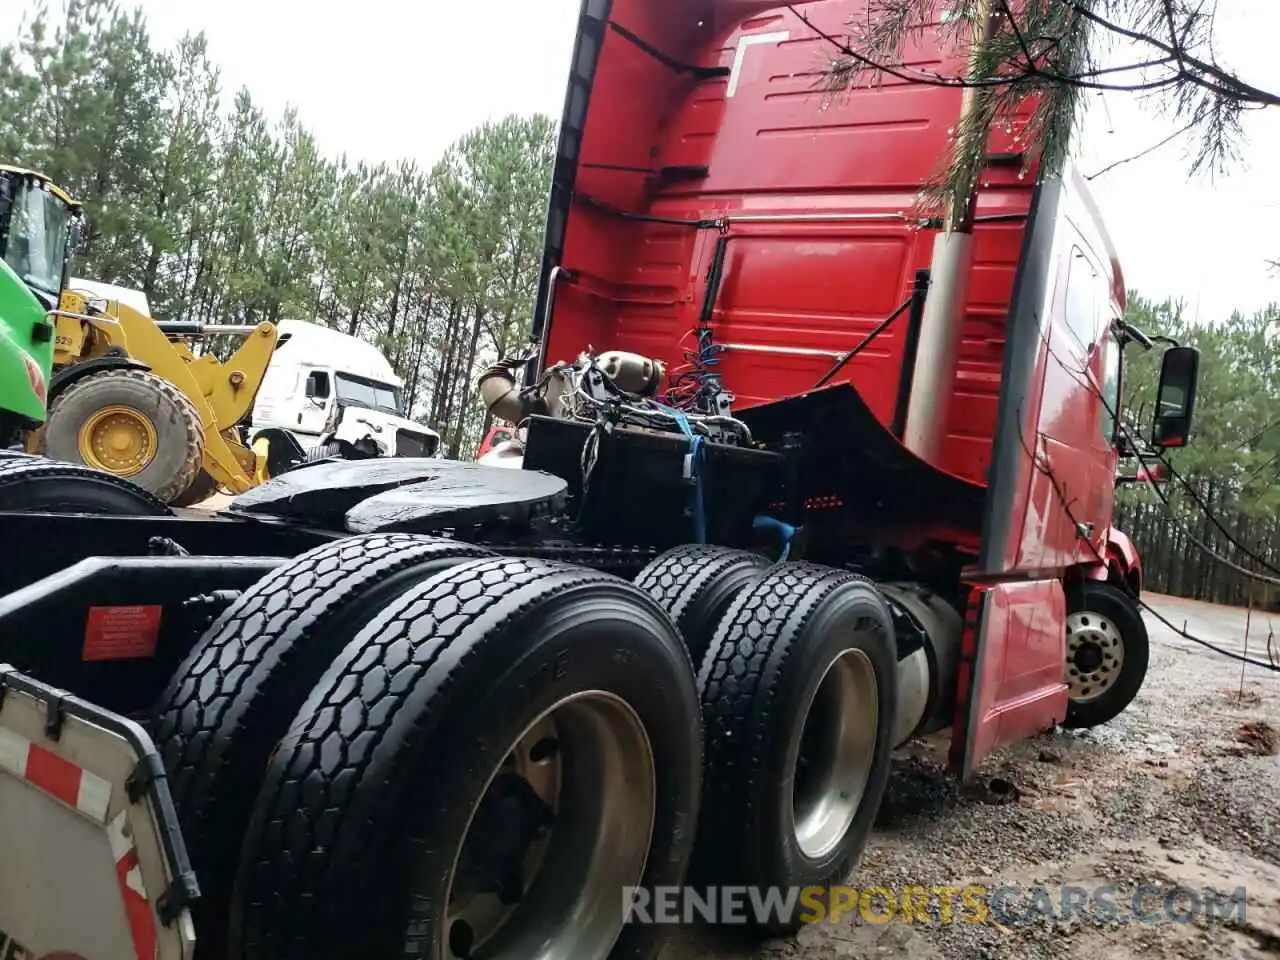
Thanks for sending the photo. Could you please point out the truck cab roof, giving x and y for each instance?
(129, 296)
(324, 346)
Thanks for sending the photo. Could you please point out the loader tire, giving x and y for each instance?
(232, 698)
(1107, 653)
(39, 485)
(798, 699)
(366, 804)
(695, 584)
(201, 489)
(158, 429)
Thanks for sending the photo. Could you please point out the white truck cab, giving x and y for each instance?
(325, 382)
(109, 291)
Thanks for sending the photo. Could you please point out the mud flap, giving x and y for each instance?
(92, 863)
(1011, 682)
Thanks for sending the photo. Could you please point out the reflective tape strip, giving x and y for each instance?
(90, 794)
(74, 786)
(13, 753)
(142, 922)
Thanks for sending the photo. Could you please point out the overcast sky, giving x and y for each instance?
(387, 79)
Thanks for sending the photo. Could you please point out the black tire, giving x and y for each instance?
(233, 696)
(37, 485)
(1123, 615)
(179, 446)
(695, 584)
(766, 663)
(351, 846)
(201, 489)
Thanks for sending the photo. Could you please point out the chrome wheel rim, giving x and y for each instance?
(580, 787)
(1095, 655)
(837, 749)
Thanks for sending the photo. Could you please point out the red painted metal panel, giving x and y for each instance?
(771, 145)
(1011, 682)
(1069, 460)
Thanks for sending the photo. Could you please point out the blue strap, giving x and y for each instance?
(694, 471)
(785, 531)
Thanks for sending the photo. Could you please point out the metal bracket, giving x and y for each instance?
(55, 716)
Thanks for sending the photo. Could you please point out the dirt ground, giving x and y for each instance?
(1181, 789)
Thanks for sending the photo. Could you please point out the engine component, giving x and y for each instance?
(503, 396)
(631, 372)
(500, 391)
(614, 385)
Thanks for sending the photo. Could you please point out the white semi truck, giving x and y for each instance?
(325, 384)
(322, 385)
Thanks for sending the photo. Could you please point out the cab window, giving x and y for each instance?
(1082, 307)
(318, 385)
(1111, 358)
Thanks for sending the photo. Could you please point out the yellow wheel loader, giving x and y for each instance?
(124, 393)
(130, 396)
(118, 390)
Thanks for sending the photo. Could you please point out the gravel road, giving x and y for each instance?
(1181, 789)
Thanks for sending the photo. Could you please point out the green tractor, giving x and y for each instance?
(38, 222)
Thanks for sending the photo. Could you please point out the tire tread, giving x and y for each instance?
(681, 579)
(235, 693)
(738, 683)
(17, 471)
(326, 789)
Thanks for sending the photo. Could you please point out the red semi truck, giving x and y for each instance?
(801, 477)
(723, 198)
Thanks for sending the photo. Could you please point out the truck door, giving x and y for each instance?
(1044, 452)
(317, 399)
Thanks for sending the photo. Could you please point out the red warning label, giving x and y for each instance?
(121, 633)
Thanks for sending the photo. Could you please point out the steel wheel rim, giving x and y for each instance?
(118, 439)
(588, 758)
(837, 749)
(1095, 655)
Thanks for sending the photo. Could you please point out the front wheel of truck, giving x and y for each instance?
(1107, 653)
(484, 771)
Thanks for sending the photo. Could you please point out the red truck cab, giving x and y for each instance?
(705, 185)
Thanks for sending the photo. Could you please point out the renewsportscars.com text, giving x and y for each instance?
(1010, 905)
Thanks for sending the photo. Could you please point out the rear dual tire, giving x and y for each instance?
(358, 828)
(695, 584)
(235, 694)
(798, 685)
(799, 695)
(358, 799)
(421, 678)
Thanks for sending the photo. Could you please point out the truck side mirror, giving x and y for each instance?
(1176, 397)
(317, 389)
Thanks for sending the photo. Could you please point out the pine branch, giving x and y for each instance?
(1046, 52)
